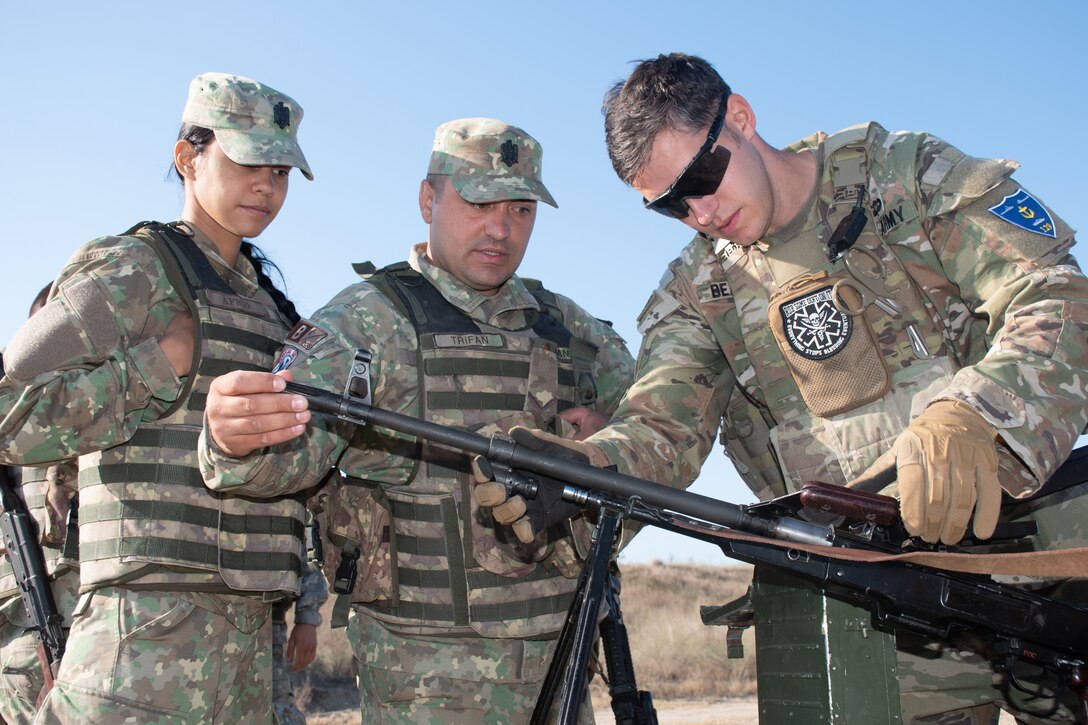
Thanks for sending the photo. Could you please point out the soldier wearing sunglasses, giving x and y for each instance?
(861, 303)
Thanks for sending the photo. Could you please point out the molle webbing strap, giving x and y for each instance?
(456, 562)
(416, 511)
(188, 514)
(178, 438)
(477, 366)
(526, 608)
(252, 340)
(215, 368)
(505, 611)
(419, 546)
(461, 400)
(35, 497)
(502, 368)
(176, 550)
(163, 473)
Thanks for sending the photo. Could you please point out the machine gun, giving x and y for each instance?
(1014, 624)
(20, 537)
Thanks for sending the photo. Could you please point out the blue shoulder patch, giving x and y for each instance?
(1024, 210)
(285, 359)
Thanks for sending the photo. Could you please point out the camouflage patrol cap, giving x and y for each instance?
(489, 160)
(255, 125)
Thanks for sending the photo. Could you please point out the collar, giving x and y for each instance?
(810, 215)
(510, 308)
(242, 277)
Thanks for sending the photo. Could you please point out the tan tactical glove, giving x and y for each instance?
(528, 518)
(947, 469)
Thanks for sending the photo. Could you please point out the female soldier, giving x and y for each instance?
(173, 623)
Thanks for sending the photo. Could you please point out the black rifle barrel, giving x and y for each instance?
(503, 450)
(20, 535)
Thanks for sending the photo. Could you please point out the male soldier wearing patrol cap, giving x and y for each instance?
(452, 619)
(173, 623)
(864, 300)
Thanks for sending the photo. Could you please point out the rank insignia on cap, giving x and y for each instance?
(1024, 210)
(285, 359)
(814, 327)
(508, 153)
(281, 115)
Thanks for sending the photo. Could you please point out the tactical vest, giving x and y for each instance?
(451, 567)
(146, 518)
(797, 413)
(58, 558)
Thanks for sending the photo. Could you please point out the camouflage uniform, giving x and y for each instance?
(432, 647)
(47, 491)
(169, 572)
(315, 590)
(452, 620)
(986, 307)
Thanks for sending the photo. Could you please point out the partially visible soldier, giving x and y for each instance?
(49, 494)
(173, 623)
(453, 620)
(295, 652)
(854, 302)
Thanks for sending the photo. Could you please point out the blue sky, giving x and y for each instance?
(93, 92)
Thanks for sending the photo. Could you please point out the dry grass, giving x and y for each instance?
(675, 656)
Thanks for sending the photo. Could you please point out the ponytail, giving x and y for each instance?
(263, 266)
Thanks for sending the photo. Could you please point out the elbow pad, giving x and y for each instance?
(78, 325)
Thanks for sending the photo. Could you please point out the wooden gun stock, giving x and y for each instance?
(853, 504)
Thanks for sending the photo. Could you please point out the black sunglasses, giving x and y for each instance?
(701, 177)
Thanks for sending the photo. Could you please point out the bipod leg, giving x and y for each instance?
(576, 638)
(562, 653)
(1078, 683)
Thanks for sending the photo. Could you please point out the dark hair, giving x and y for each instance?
(41, 299)
(264, 266)
(676, 91)
(199, 138)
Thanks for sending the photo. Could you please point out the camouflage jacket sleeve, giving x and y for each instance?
(358, 317)
(87, 368)
(665, 426)
(614, 367)
(1013, 301)
(314, 593)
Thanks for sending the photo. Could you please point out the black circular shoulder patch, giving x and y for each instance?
(814, 327)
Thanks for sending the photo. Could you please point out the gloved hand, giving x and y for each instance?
(947, 469)
(529, 518)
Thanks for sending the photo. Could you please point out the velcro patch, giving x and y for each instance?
(235, 302)
(1024, 210)
(814, 327)
(468, 340)
(287, 356)
(307, 335)
(715, 291)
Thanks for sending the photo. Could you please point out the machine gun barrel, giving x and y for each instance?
(504, 450)
(932, 601)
